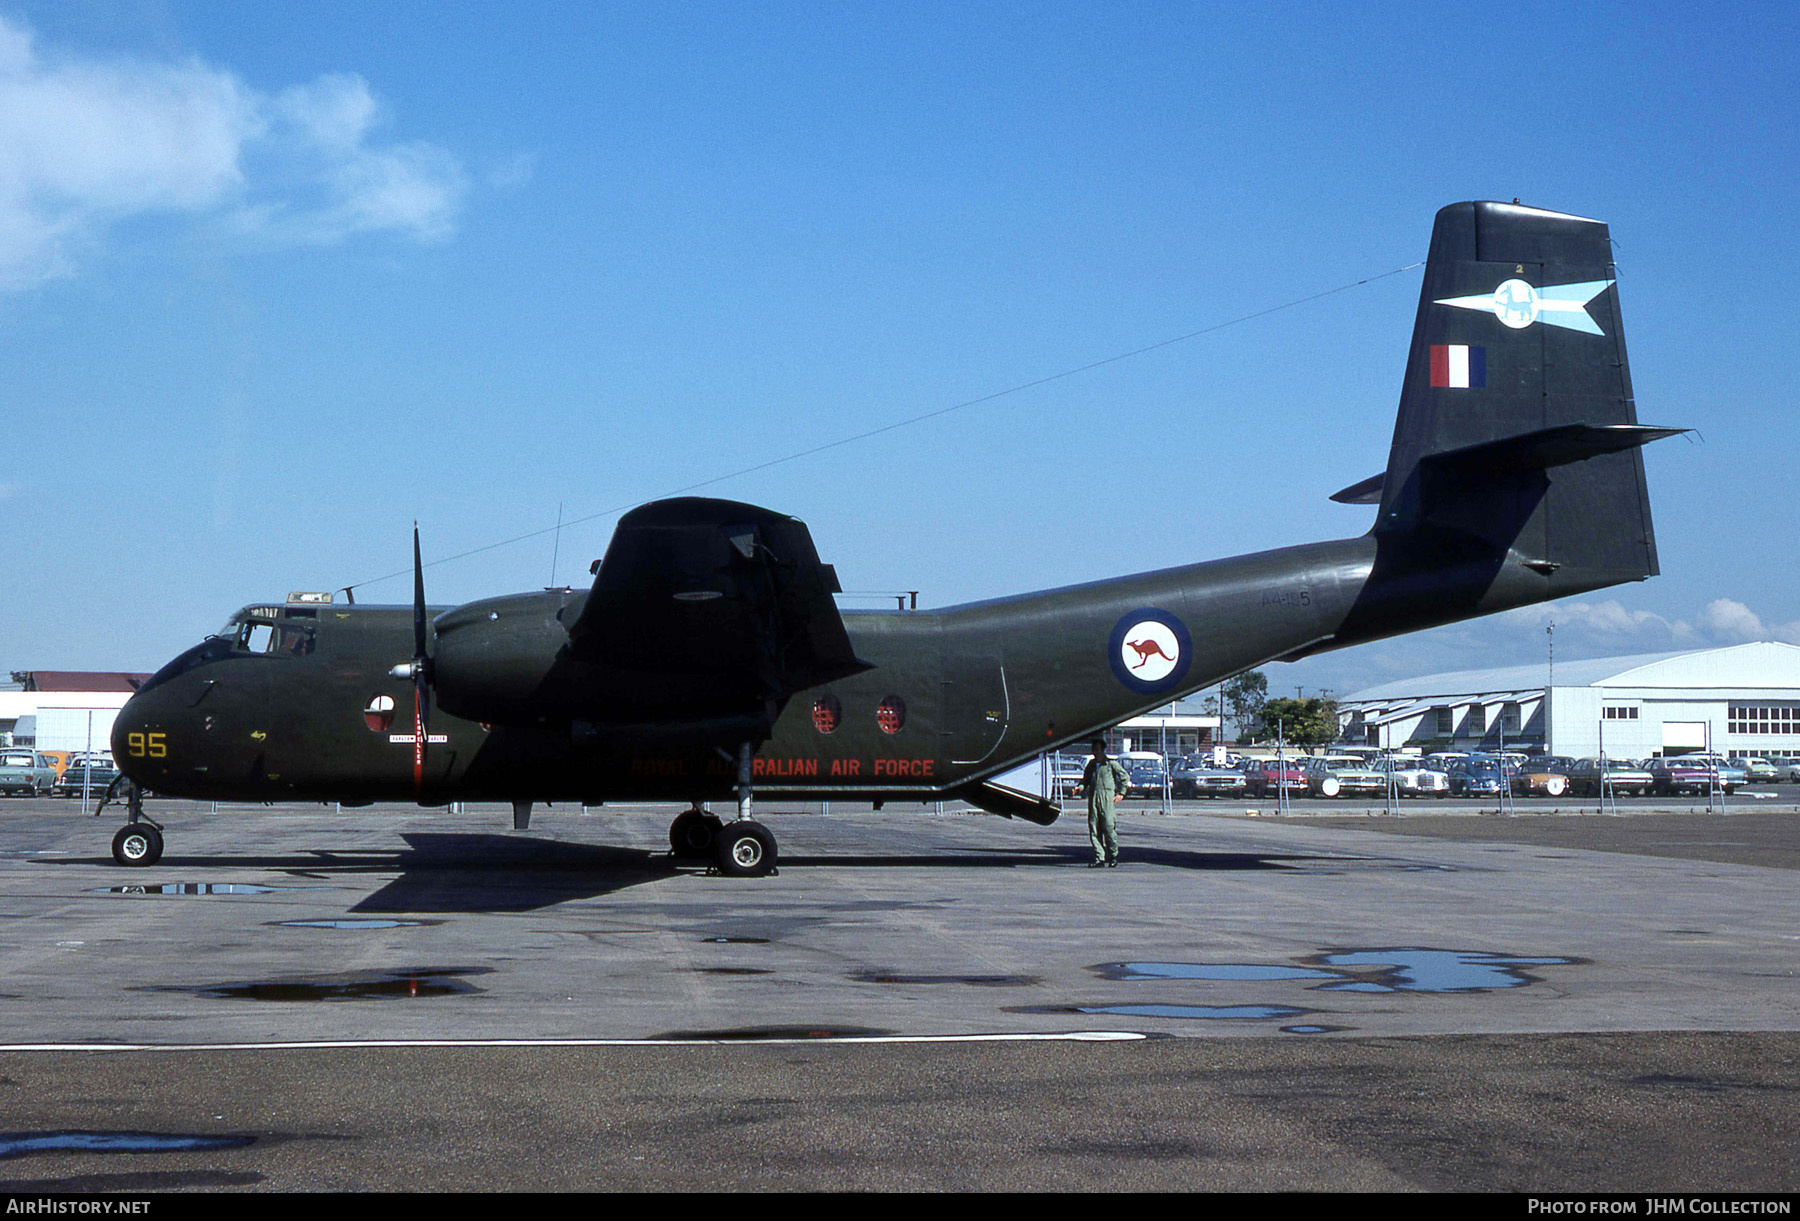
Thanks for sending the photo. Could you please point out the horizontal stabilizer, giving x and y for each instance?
(1368, 492)
(1543, 449)
(1011, 803)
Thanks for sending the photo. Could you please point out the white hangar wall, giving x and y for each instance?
(1742, 699)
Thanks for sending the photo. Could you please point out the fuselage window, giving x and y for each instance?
(826, 713)
(256, 637)
(379, 714)
(891, 714)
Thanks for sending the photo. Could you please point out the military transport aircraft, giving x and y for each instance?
(709, 660)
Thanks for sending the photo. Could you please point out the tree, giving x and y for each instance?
(1244, 695)
(1308, 722)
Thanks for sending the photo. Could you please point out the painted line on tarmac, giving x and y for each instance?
(1072, 1036)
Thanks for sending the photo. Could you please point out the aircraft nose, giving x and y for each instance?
(131, 738)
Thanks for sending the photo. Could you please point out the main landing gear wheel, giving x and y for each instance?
(693, 834)
(137, 844)
(746, 850)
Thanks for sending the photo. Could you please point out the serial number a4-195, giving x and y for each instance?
(1287, 597)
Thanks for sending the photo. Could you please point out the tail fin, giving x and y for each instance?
(1517, 426)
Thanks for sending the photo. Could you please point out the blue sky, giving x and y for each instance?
(273, 284)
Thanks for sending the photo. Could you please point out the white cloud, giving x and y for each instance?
(1611, 624)
(85, 143)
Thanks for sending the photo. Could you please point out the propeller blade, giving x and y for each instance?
(418, 600)
(420, 668)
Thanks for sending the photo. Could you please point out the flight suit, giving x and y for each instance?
(1103, 781)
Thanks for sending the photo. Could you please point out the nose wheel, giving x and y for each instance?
(137, 844)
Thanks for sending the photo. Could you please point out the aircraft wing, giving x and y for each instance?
(714, 588)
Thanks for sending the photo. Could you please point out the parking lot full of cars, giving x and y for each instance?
(1330, 775)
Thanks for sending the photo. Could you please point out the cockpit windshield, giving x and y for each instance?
(251, 632)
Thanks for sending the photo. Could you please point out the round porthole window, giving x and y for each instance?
(379, 715)
(826, 713)
(891, 714)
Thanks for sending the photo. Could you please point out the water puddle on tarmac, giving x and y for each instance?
(979, 981)
(1397, 969)
(1230, 1013)
(1254, 971)
(374, 985)
(354, 924)
(196, 888)
(1421, 969)
(752, 1034)
(1391, 969)
(23, 1144)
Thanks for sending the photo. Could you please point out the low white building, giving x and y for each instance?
(64, 709)
(1740, 700)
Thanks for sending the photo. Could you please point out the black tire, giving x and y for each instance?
(692, 835)
(137, 844)
(745, 850)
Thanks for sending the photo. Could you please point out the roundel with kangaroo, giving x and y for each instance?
(1150, 650)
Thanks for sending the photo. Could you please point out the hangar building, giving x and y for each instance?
(64, 709)
(1739, 700)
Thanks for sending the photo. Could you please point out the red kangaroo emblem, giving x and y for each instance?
(1146, 649)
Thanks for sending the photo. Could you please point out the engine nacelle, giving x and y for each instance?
(497, 660)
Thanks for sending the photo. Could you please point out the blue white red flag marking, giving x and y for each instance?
(1457, 366)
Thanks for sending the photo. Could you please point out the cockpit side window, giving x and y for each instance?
(286, 639)
(294, 641)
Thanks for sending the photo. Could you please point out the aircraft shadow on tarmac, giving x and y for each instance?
(1057, 857)
(448, 872)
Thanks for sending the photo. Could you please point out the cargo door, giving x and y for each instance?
(975, 708)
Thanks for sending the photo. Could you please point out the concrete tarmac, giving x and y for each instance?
(407, 999)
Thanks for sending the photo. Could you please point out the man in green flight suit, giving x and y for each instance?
(1103, 780)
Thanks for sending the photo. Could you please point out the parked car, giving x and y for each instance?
(1147, 771)
(1199, 776)
(1476, 776)
(1264, 777)
(1537, 778)
(1065, 774)
(25, 773)
(1623, 778)
(97, 773)
(1758, 771)
(1731, 773)
(1413, 779)
(1686, 774)
(1343, 776)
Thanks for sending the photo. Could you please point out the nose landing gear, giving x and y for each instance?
(139, 842)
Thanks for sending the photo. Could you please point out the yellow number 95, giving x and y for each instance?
(151, 745)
